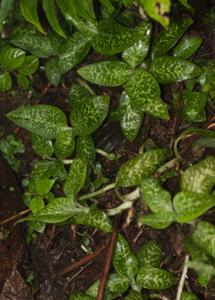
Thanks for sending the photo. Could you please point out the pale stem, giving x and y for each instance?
(117, 210)
(103, 190)
(183, 277)
(170, 164)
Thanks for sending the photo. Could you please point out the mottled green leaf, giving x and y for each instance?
(95, 218)
(154, 196)
(11, 58)
(155, 278)
(169, 69)
(52, 70)
(190, 205)
(64, 144)
(85, 147)
(5, 8)
(107, 73)
(135, 54)
(157, 10)
(144, 92)
(199, 178)
(150, 254)
(193, 105)
(130, 118)
(204, 237)
(207, 79)
(22, 81)
(142, 165)
(29, 66)
(87, 113)
(169, 37)
(42, 146)
(187, 47)
(76, 177)
(188, 296)
(124, 261)
(133, 295)
(115, 286)
(5, 82)
(158, 220)
(113, 38)
(44, 120)
(39, 171)
(205, 272)
(44, 185)
(50, 11)
(29, 39)
(81, 296)
(74, 51)
(29, 12)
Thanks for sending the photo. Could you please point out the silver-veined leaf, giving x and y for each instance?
(194, 105)
(42, 146)
(150, 254)
(64, 144)
(85, 147)
(187, 47)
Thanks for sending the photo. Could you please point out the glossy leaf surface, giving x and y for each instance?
(44, 185)
(5, 8)
(107, 73)
(169, 69)
(124, 261)
(144, 91)
(44, 120)
(130, 117)
(11, 58)
(64, 144)
(135, 54)
(158, 220)
(142, 165)
(194, 105)
(150, 254)
(187, 47)
(199, 178)
(53, 72)
(190, 205)
(76, 177)
(5, 82)
(155, 279)
(85, 147)
(29, 66)
(42, 146)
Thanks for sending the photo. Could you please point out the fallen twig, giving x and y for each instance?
(183, 277)
(20, 214)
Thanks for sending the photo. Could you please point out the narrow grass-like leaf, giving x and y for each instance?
(142, 165)
(44, 120)
(107, 73)
(169, 69)
(187, 47)
(144, 92)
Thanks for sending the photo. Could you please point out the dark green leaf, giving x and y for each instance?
(144, 92)
(199, 178)
(11, 58)
(95, 218)
(113, 38)
(81, 296)
(193, 105)
(42, 146)
(169, 37)
(135, 54)
(53, 71)
(142, 165)
(44, 185)
(85, 148)
(107, 73)
(124, 261)
(190, 205)
(23, 81)
(130, 118)
(205, 272)
(29, 66)
(50, 11)
(76, 177)
(133, 295)
(204, 237)
(154, 196)
(5, 8)
(186, 4)
(150, 254)
(169, 69)
(39, 171)
(155, 279)
(74, 51)
(87, 113)
(188, 296)
(64, 144)
(29, 12)
(44, 120)
(205, 142)
(5, 82)
(187, 47)
(158, 220)
(157, 10)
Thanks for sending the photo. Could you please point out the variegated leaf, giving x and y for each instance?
(42, 146)
(158, 220)
(188, 296)
(199, 178)
(194, 105)
(187, 47)
(155, 279)
(130, 117)
(85, 147)
(144, 92)
(169, 69)
(142, 165)
(150, 254)
(107, 73)
(64, 144)
(44, 120)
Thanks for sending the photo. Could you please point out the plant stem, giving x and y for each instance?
(20, 214)
(67, 161)
(117, 210)
(103, 190)
(183, 277)
(109, 156)
(84, 84)
(131, 196)
(170, 164)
